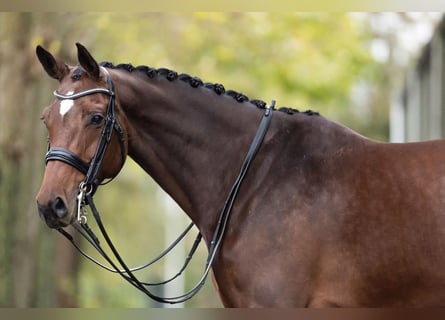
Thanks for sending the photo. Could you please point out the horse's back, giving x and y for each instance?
(383, 229)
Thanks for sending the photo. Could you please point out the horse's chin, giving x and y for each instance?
(57, 224)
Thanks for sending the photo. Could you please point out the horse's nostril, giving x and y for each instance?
(59, 208)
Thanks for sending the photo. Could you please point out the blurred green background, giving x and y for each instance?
(343, 65)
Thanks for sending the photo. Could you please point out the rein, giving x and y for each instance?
(89, 185)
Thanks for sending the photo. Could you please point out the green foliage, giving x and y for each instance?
(307, 61)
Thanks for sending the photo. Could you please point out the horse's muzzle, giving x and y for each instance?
(55, 213)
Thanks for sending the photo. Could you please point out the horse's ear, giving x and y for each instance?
(87, 62)
(53, 67)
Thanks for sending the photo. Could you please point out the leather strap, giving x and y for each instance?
(64, 155)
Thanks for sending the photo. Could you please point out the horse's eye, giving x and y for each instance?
(96, 119)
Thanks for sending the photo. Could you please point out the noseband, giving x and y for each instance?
(91, 170)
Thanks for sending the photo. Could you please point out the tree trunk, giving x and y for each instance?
(30, 273)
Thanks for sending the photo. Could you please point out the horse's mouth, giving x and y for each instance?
(51, 220)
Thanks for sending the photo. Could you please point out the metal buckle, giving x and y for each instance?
(81, 209)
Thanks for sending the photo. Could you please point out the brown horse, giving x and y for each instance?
(324, 217)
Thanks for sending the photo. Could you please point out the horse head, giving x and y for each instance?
(82, 147)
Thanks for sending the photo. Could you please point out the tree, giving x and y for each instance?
(25, 248)
(17, 162)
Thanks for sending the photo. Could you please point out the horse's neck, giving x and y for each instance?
(190, 140)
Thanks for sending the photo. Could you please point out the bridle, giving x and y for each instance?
(91, 170)
(88, 186)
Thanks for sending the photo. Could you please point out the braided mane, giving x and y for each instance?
(194, 82)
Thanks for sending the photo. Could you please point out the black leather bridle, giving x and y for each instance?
(91, 170)
(90, 183)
